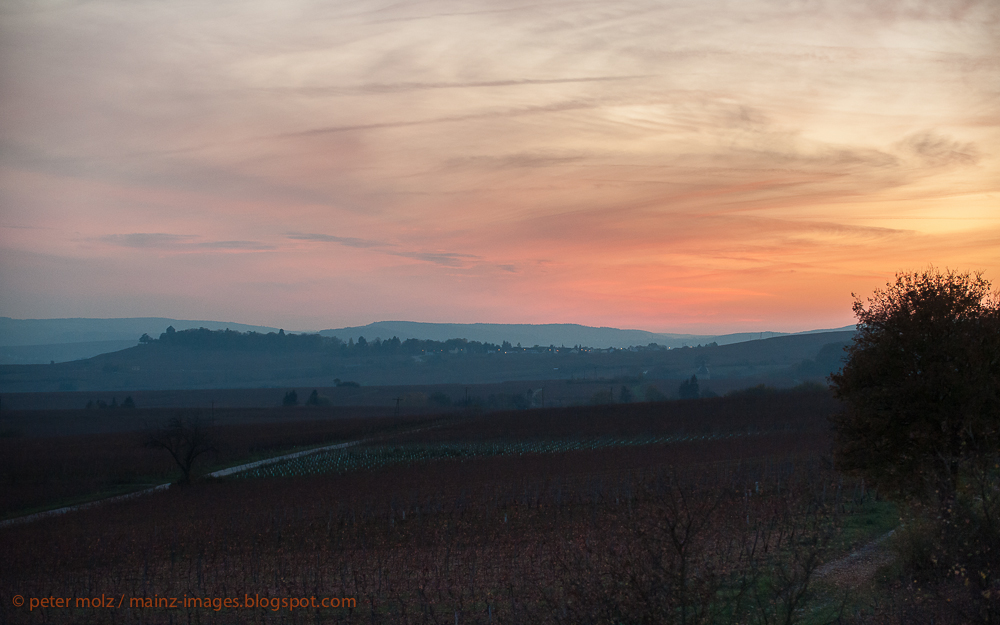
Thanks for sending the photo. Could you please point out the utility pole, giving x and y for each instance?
(397, 400)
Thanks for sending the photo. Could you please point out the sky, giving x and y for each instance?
(701, 166)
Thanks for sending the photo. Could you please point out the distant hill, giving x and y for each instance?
(59, 352)
(203, 359)
(557, 334)
(40, 341)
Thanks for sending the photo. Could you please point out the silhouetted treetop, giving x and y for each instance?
(921, 385)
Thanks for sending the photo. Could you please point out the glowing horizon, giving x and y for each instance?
(685, 167)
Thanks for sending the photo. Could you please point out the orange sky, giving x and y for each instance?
(671, 166)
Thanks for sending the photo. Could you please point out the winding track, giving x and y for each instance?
(858, 566)
(148, 491)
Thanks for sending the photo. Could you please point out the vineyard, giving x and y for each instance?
(43, 472)
(708, 511)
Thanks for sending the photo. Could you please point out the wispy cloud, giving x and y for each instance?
(329, 238)
(445, 259)
(404, 87)
(179, 242)
(559, 107)
(505, 161)
(148, 240)
(249, 246)
(938, 150)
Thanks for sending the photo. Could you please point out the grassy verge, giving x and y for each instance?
(869, 521)
(866, 522)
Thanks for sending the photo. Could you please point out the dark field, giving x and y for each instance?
(413, 399)
(718, 530)
(40, 472)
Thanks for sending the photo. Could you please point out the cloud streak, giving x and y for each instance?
(445, 259)
(180, 243)
(559, 107)
(404, 87)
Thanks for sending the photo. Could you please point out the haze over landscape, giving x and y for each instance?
(683, 167)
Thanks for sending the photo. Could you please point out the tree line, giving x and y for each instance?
(205, 339)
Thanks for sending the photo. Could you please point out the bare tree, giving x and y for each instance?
(186, 438)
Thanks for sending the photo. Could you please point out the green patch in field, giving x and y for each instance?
(867, 522)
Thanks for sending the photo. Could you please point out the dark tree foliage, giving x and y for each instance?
(205, 339)
(829, 360)
(291, 399)
(315, 399)
(921, 386)
(624, 395)
(689, 388)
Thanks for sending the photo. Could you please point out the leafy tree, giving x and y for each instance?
(921, 386)
(186, 438)
(291, 399)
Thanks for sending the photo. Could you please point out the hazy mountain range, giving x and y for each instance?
(40, 341)
(557, 334)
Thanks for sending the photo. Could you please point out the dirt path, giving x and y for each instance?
(148, 491)
(858, 567)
